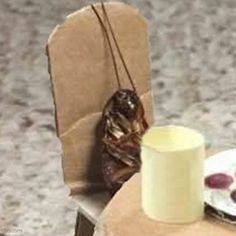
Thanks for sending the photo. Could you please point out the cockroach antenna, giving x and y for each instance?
(117, 46)
(123, 118)
(109, 44)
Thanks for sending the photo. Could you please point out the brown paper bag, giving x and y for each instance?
(83, 80)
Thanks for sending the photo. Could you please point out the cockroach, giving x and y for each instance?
(123, 122)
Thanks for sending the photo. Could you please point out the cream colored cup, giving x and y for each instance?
(172, 174)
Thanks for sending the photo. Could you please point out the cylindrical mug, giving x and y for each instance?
(172, 174)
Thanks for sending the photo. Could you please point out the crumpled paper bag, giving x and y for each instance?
(83, 79)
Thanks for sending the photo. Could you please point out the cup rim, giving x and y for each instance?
(194, 132)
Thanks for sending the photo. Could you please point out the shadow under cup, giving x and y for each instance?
(172, 174)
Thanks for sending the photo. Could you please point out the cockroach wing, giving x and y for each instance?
(83, 80)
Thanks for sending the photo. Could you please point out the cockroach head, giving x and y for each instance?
(127, 103)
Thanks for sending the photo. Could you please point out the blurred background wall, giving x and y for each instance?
(193, 52)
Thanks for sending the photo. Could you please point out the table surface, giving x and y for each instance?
(124, 216)
(92, 205)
